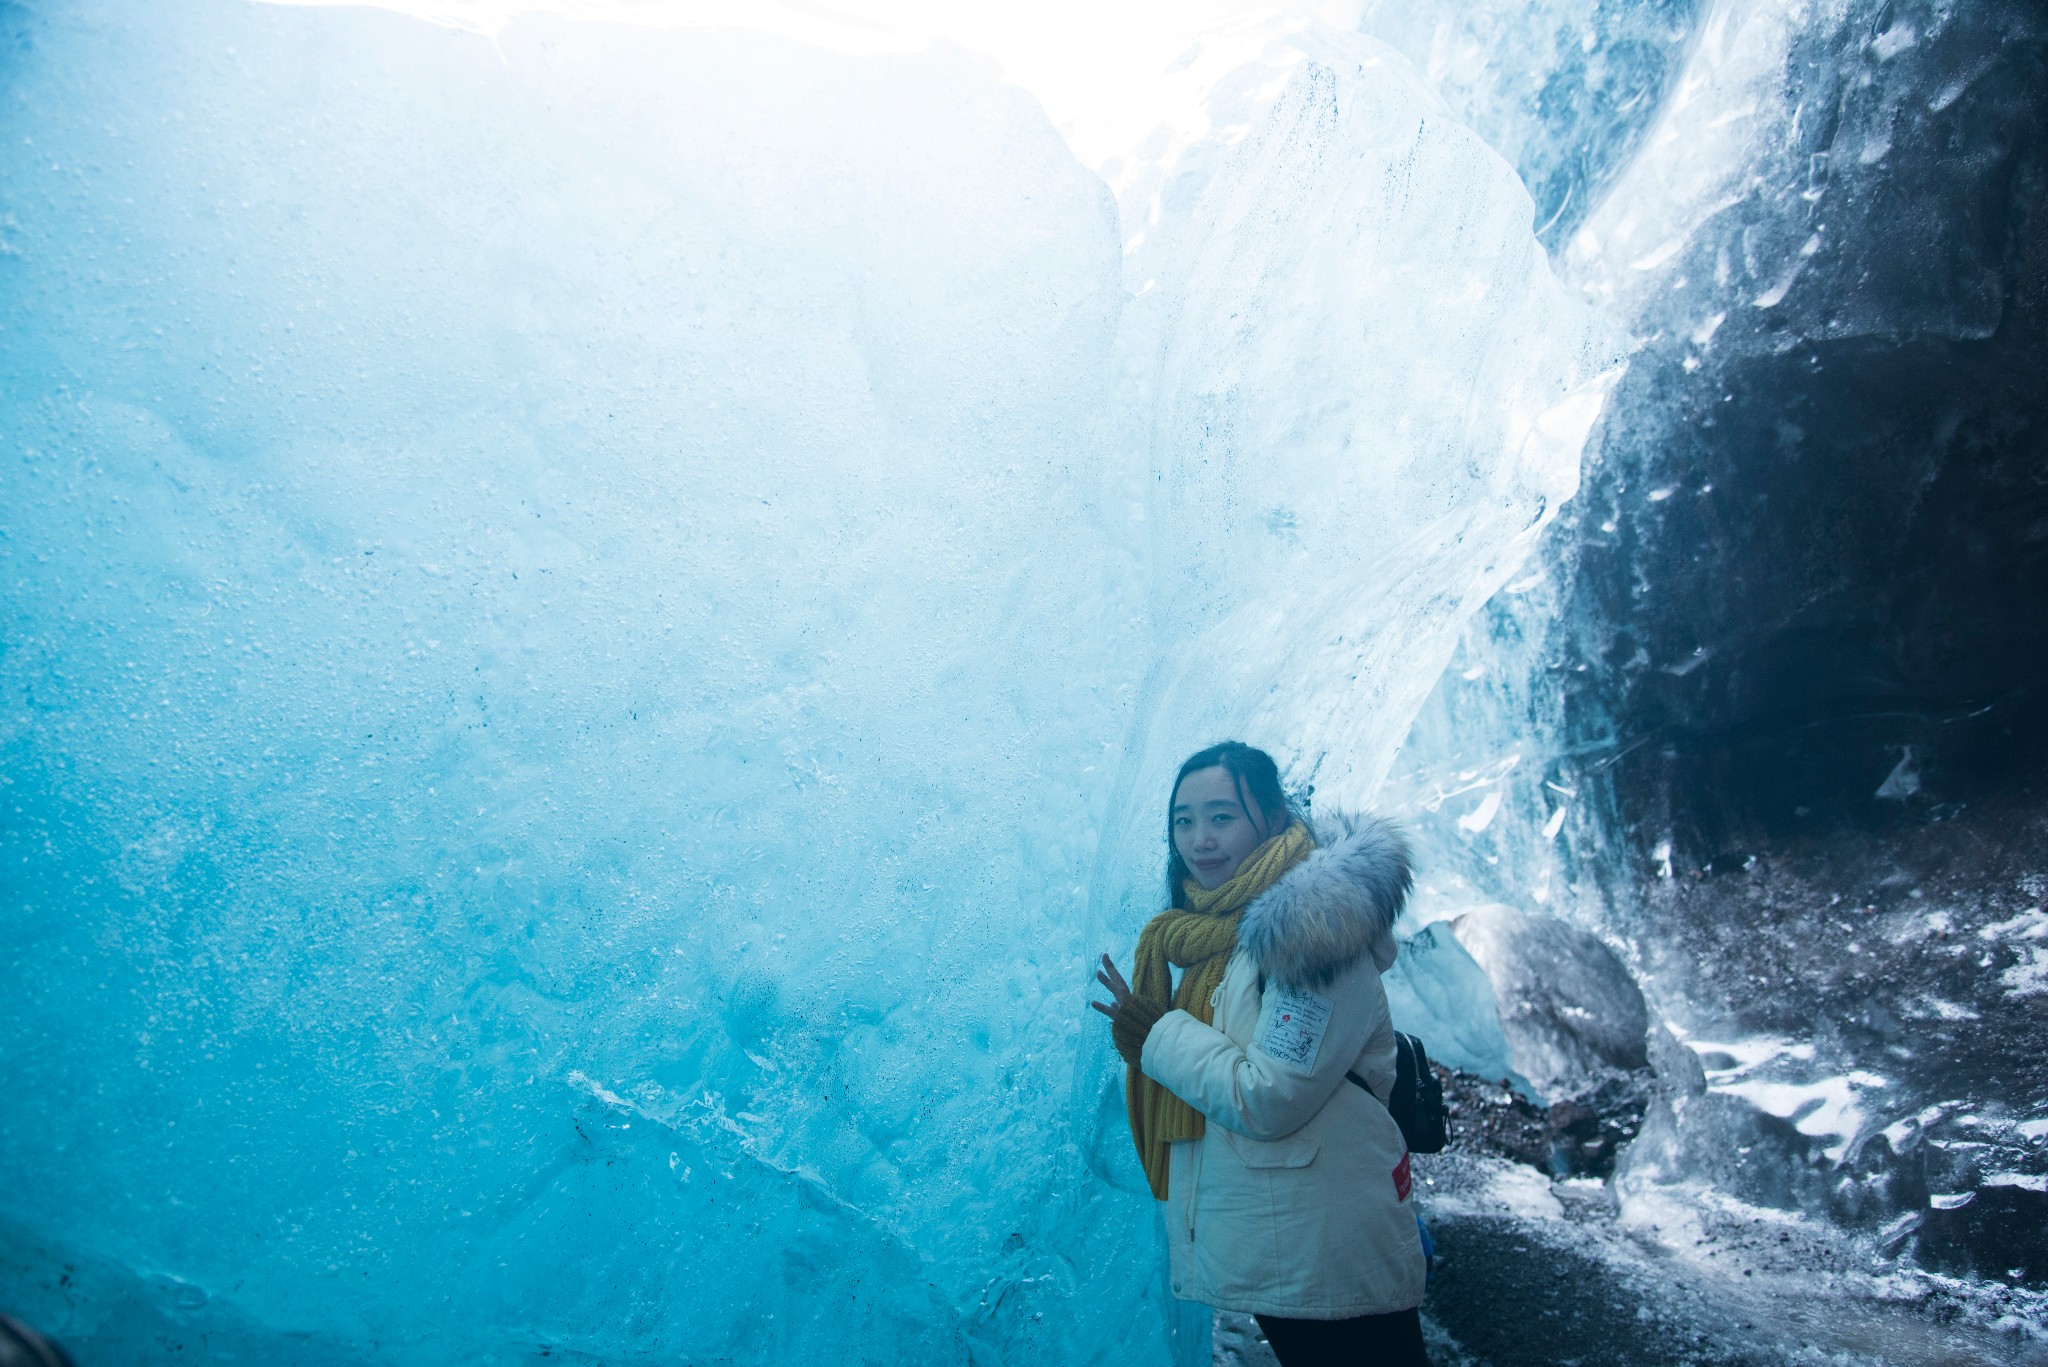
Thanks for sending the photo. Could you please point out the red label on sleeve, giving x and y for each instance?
(1404, 1180)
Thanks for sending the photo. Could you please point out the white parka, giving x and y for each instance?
(1295, 1200)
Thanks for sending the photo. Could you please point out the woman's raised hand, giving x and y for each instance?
(1108, 976)
(1132, 1017)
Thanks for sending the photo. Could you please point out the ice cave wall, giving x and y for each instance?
(486, 594)
(1836, 330)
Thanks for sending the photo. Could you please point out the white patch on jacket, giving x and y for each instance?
(1334, 907)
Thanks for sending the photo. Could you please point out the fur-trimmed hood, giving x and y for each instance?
(1334, 907)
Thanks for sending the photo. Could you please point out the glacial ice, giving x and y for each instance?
(1566, 89)
(1570, 1009)
(1438, 992)
(596, 617)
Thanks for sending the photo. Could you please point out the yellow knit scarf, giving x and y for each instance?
(1199, 942)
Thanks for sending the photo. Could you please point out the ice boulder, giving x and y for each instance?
(1570, 1008)
(1437, 992)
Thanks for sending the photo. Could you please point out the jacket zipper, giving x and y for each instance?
(1195, 1155)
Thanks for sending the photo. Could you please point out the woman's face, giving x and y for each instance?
(1212, 831)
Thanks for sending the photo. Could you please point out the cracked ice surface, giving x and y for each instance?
(596, 616)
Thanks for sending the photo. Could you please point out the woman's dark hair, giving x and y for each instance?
(1257, 780)
(21, 1346)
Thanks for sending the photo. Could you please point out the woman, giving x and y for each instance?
(1287, 1187)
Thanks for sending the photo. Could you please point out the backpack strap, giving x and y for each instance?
(1365, 1087)
(1407, 1061)
(1405, 1049)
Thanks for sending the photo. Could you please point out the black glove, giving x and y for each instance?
(1131, 1024)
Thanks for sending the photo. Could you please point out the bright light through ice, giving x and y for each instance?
(1115, 78)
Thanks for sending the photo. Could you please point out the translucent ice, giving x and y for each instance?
(1565, 89)
(1569, 1006)
(595, 616)
(1438, 992)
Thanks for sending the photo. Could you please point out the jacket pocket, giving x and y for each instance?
(1295, 1151)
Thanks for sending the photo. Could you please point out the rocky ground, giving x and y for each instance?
(1912, 966)
(1844, 1159)
(1579, 1136)
(1569, 1272)
(1532, 1270)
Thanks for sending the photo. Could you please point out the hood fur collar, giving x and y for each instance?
(1334, 907)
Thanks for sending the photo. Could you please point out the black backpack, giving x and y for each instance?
(1417, 1103)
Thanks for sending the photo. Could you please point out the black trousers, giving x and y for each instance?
(1369, 1341)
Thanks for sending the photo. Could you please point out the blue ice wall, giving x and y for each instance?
(593, 620)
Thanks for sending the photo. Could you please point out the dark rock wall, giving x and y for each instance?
(1838, 592)
(1802, 586)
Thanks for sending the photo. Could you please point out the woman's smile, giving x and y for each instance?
(1213, 830)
